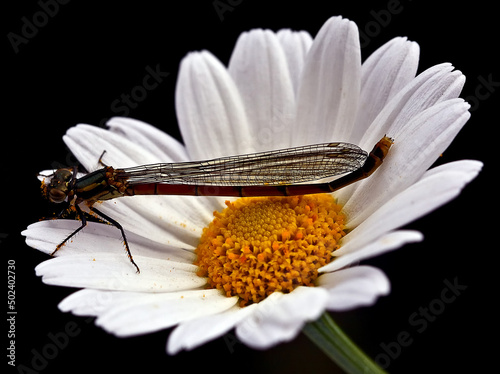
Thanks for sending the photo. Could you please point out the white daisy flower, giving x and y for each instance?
(280, 90)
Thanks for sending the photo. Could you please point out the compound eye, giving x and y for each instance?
(63, 175)
(56, 195)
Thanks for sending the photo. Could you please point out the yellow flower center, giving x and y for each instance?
(257, 246)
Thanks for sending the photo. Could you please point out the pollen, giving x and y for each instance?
(257, 246)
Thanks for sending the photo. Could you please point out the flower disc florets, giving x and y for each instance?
(257, 246)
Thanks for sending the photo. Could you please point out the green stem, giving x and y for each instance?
(328, 336)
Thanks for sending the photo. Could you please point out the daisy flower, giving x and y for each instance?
(263, 266)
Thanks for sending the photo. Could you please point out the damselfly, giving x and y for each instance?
(273, 173)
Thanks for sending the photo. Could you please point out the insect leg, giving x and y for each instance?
(84, 223)
(119, 227)
(100, 159)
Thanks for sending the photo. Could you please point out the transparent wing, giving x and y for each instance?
(285, 166)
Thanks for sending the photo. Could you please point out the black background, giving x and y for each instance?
(90, 53)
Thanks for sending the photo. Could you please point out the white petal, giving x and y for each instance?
(87, 143)
(113, 272)
(176, 220)
(280, 317)
(416, 147)
(354, 287)
(169, 220)
(349, 254)
(209, 108)
(259, 68)
(328, 94)
(435, 188)
(433, 86)
(436, 84)
(295, 45)
(193, 333)
(383, 75)
(164, 147)
(89, 302)
(470, 169)
(173, 220)
(144, 313)
(98, 238)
